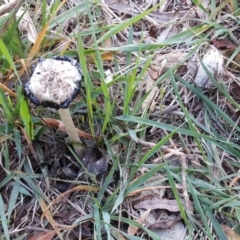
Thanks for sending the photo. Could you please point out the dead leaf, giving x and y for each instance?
(149, 101)
(213, 61)
(26, 24)
(133, 229)
(192, 67)
(176, 232)
(157, 192)
(160, 64)
(48, 235)
(154, 72)
(99, 167)
(169, 30)
(116, 149)
(153, 30)
(169, 60)
(231, 234)
(157, 203)
(165, 224)
(223, 44)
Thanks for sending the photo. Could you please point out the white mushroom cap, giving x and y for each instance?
(55, 80)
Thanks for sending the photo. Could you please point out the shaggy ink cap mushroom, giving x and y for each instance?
(55, 82)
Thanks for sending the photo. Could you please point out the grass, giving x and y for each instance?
(190, 154)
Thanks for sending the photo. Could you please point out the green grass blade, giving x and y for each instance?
(119, 27)
(87, 82)
(219, 142)
(199, 209)
(13, 197)
(6, 108)
(176, 195)
(133, 223)
(186, 113)
(6, 54)
(4, 222)
(97, 221)
(142, 179)
(17, 139)
(60, 19)
(26, 117)
(106, 219)
(183, 36)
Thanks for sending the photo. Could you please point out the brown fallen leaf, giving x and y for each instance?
(153, 71)
(99, 167)
(192, 67)
(59, 125)
(153, 30)
(133, 229)
(169, 60)
(231, 234)
(156, 203)
(165, 224)
(169, 30)
(149, 102)
(48, 235)
(223, 44)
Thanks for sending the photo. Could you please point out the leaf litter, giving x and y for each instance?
(153, 204)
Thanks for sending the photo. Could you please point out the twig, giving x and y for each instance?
(163, 148)
(10, 6)
(167, 110)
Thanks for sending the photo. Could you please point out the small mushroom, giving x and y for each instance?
(55, 83)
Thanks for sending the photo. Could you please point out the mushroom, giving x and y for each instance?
(55, 83)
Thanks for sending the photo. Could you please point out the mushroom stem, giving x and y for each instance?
(71, 130)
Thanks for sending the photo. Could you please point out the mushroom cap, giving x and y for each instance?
(55, 82)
